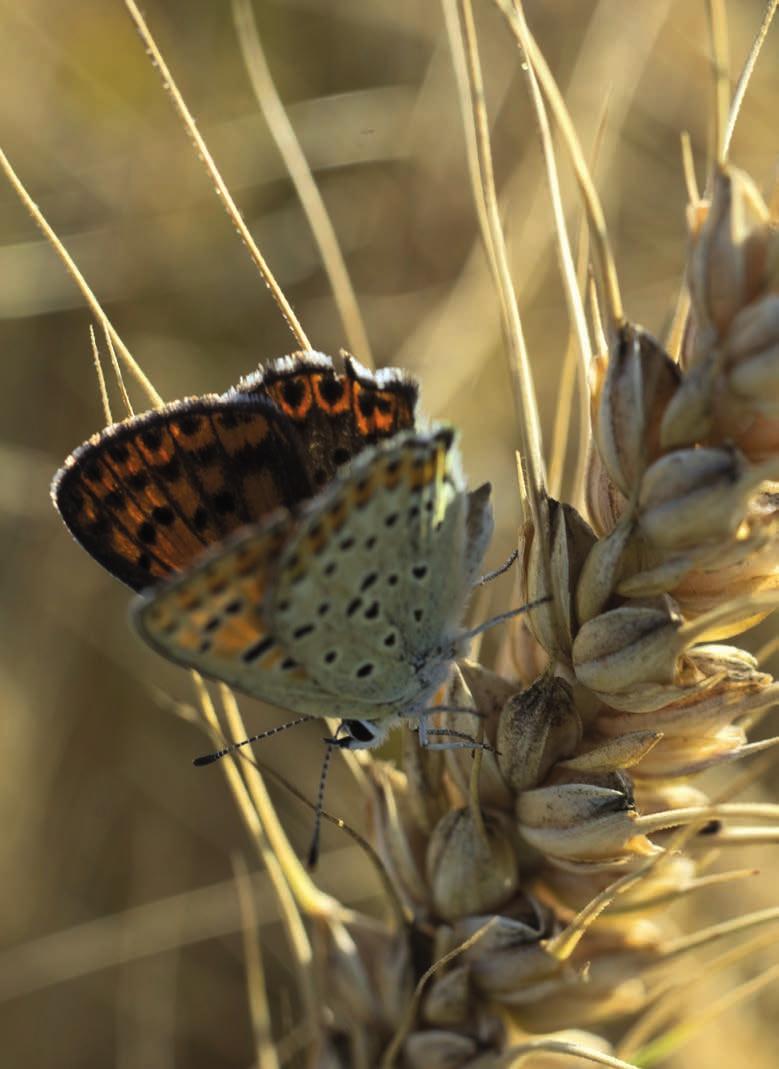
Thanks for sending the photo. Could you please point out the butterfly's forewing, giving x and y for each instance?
(145, 497)
(372, 585)
(338, 415)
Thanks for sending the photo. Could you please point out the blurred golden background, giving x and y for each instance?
(119, 912)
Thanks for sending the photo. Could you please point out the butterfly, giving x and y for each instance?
(347, 607)
(295, 538)
(147, 496)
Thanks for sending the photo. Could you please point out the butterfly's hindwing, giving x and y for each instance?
(338, 414)
(371, 584)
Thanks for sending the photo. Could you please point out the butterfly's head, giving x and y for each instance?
(362, 734)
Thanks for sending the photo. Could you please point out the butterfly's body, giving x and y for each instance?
(295, 538)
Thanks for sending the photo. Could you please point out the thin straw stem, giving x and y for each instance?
(313, 205)
(513, 13)
(101, 386)
(746, 75)
(257, 990)
(462, 37)
(219, 185)
(300, 945)
(718, 41)
(78, 278)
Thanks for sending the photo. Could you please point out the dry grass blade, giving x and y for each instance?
(78, 278)
(219, 185)
(660, 1049)
(746, 74)
(101, 386)
(514, 15)
(300, 174)
(256, 988)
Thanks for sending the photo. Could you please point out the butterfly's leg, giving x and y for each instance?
(498, 571)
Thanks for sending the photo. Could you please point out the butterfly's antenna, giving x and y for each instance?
(313, 850)
(209, 758)
(499, 619)
(498, 571)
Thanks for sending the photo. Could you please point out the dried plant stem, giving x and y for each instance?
(101, 386)
(219, 184)
(78, 278)
(312, 901)
(688, 168)
(660, 1048)
(746, 74)
(707, 936)
(300, 945)
(675, 334)
(513, 13)
(701, 884)
(255, 975)
(402, 916)
(570, 281)
(718, 39)
(393, 1048)
(287, 143)
(568, 376)
(118, 375)
(666, 1005)
(460, 68)
(472, 97)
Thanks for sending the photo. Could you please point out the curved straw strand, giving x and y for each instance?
(465, 55)
(300, 945)
(78, 278)
(313, 205)
(746, 75)
(219, 185)
(573, 279)
(718, 46)
(513, 12)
